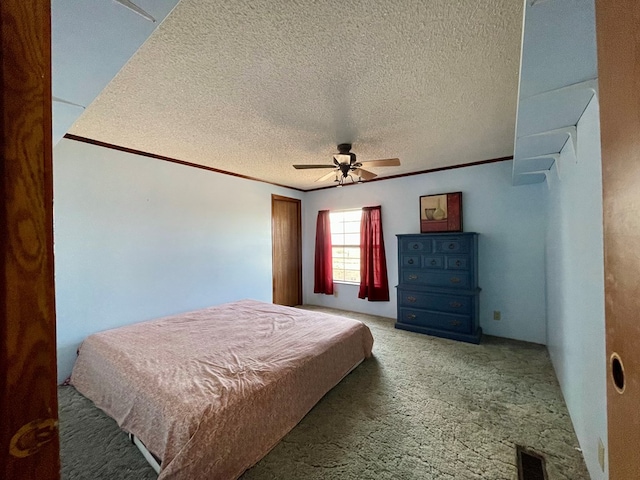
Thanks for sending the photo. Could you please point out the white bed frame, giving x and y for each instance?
(153, 461)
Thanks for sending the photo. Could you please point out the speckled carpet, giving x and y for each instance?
(421, 408)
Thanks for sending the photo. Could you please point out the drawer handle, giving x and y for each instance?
(410, 262)
(455, 304)
(411, 299)
(413, 277)
(458, 262)
(455, 280)
(415, 246)
(411, 316)
(433, 262)
(456, 323)
(452, 246)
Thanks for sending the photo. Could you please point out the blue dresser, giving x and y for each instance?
(438, 285)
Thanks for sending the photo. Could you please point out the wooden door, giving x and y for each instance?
(618, 34)
(28, 401)
(286, 227)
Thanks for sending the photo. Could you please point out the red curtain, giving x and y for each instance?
(374, 283)
(323, 282)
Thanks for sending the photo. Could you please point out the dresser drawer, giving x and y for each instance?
(445, 279)
(443, 303)
(411, 261)
(457, 262)
(440, 321)
(452, 244)
(431, 261)
(415, 245)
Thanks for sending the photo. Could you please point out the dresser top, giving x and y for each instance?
(435, 234)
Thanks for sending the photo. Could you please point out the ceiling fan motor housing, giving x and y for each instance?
(344, 148)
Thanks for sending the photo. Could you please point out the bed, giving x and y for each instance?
(210, 392)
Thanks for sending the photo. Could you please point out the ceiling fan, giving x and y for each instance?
(345, 166)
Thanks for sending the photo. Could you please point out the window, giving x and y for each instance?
(345, 241)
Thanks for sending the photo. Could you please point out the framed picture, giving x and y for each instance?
(441, 213)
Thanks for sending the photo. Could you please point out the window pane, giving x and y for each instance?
(351, 276)
(351, 252)
(352, 239)
(345, 239)
(351, 263)
(352, 215)
(352, 227)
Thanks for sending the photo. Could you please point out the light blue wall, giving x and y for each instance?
(575, 287)
(511, 223)
(136, 238)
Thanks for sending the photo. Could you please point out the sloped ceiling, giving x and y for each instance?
(252, 87)
(91, 40)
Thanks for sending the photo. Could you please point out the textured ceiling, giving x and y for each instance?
(252, 87)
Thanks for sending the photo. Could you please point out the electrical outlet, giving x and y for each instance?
(496, 315)
(601, 453)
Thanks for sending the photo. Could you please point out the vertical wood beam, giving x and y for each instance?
(28, 394)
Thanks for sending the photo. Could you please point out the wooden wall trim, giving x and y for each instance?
(98, 143)
(421, 172)
(28, 352)
(169, 159)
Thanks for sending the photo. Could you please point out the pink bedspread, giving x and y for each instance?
(210, 392)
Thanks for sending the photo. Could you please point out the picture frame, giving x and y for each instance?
(441, 212)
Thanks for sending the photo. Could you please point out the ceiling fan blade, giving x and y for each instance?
(386, 162)
(303, 167)
(364, 174)
(327, 176)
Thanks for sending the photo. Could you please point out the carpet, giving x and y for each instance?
(422, 408)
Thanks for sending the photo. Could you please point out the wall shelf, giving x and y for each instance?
(558, 79)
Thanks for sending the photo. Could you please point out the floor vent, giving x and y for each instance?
(531, 465)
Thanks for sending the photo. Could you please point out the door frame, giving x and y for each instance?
(28, 391)
(619, 98)
(298, 202)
